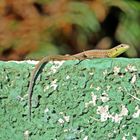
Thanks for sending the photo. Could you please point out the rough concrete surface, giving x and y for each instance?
(84, 100)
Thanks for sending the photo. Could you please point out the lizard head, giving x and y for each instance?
(114, 52)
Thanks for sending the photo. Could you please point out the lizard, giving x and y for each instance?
(89, 54)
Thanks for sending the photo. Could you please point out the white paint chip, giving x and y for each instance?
(85, 138)
(46, 110)
(94, 98)
(116, 70)
(134, 138)
(67, 77)
(53, 84)
(137, 113)
(104, 97)
(67, 118)
(130, 68)
(134, 78)
(124, 111)
(103, 111)
(61, 121)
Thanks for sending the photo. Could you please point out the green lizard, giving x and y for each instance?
(90, 54)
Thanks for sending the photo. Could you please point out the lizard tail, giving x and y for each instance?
(31, 84)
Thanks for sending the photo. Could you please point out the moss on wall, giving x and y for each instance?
(90, 99)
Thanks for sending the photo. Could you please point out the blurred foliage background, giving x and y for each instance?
(37, 28)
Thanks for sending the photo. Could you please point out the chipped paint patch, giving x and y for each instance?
(131, 68)
(56, 65)
(137, 113)
(98, 88)
(85, 138)
(116, 70)
(103, 111)
(66, 118)
(67, 77)
(54, 84)
(134, 138)
(61, 121)
(92, 102)
(134, 78)
(104, 97)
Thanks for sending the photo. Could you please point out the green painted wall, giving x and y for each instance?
(86, 100)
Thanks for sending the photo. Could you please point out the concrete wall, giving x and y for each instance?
(86, 100)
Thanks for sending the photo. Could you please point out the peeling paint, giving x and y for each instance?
(137, 113)
(134, 78)
(104, 97)
(55, 66)
(116, 70)
(130, 68)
